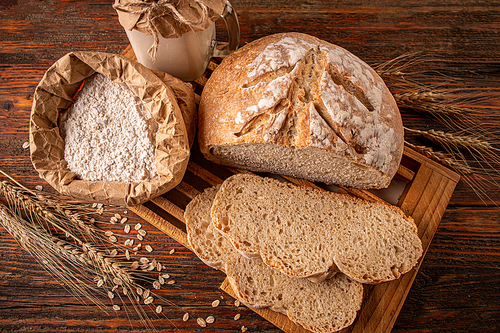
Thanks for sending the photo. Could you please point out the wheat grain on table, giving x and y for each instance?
(456, 286)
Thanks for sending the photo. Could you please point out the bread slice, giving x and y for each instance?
(295, 105)
(305, 232)
(318, 307)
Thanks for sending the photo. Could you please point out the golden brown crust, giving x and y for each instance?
(286, 89)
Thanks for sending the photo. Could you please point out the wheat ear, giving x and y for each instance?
(460, 167)
(482, 164)
(460, 141)
(86, 261)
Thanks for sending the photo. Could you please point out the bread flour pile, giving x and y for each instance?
(109, 134)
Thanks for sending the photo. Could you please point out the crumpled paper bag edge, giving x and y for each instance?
(56, 172)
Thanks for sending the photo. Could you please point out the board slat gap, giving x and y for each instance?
(207, 176)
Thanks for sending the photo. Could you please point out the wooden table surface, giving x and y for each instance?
(458, 286)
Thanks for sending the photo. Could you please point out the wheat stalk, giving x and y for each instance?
(400, 68)
(457, 110)
(483, 153)
(460, 167)
(453, 140)
(85, 259)
(417, 84)
(51, 252)
(431, 102)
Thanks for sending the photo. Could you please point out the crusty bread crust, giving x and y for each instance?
(296, 91)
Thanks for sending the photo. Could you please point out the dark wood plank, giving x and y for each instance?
(456, 288)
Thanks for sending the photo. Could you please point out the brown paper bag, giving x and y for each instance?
(54, 94)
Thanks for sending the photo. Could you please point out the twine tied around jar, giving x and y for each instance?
(156, 9)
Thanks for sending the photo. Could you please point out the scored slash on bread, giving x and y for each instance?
(295, 105)
(310, 233)
(320, 307)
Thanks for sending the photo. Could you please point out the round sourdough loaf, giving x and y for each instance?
(296, 105)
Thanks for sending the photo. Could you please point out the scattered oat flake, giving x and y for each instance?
(39, 187)
(118, 216)
(123, 220)
(134, 265)
(237, 303)
(210, 319)
(156, 285)
(144, 260)
(127, 228)
(161, 280)
(171, 282)
(113, 253)
(159, 267)
(201, 322)
(108, 233)
(94, 205)
(138, 226)
(125, 211)
(26, 145)
(100, 283)
(127, 254)
(116, 307)
(113, 220)
(215, 303)
(237, 317)
(142, 232)
(112, 239)
(185, 317)
(165, 276)
(149, 248)
(146, 293)
(149, 300)
(243, 329)
(159, 309)
(139, 237)
(111, 295)
(138, 291)
(172, 251)
(117, 281)
(99, 205)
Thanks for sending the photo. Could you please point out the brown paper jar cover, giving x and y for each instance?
(170, 19)
(54, 94)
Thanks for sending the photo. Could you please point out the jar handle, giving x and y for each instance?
(230, 17)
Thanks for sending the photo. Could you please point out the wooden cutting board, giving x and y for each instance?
(422, 188)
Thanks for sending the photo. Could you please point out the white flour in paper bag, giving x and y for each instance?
(109, 134)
